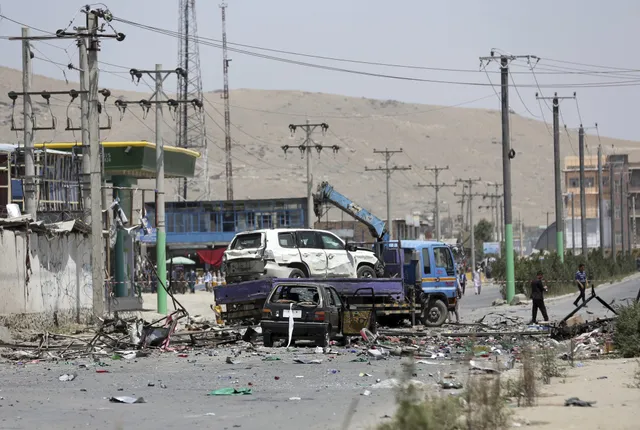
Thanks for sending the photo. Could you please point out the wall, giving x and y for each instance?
(58, 288)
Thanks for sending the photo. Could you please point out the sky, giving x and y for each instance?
(438, 34)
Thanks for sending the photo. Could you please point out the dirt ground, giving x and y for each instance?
(616, 407)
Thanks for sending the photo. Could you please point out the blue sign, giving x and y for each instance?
(491, 248)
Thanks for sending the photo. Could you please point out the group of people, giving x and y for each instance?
(538, 288)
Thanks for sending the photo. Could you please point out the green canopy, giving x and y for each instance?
(181, 260)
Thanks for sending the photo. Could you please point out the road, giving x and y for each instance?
(473, 307)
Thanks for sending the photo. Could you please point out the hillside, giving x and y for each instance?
(466, 139)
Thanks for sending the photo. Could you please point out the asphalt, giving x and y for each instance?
(32, 396)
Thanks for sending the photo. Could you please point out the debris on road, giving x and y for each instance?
(67, 377)
(126, 399)
(574, 401)
(230, 392)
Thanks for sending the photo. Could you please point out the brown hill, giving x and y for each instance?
(465, 139)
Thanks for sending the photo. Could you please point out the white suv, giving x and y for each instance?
(296, 253)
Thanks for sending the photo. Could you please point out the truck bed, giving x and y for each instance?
(258, 290)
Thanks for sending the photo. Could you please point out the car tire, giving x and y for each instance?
(267, 339)
(435, 313)
(324, 338)
(366, 272)
(296, 274)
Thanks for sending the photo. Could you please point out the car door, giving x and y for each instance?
(311, 253)
(340, 262)
(333, 309)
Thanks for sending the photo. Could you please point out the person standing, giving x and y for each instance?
(581, 282)
(459, 293)
(537, 298)
(462, 279)
(192, 281)
(477, 281)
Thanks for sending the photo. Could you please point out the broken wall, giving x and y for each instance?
(44, 279)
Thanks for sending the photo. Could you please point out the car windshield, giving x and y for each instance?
(296, 294)
(247, 241)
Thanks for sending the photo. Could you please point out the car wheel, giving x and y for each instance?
(435, 313)
(267, 339)
(296, 274)
(323, 339)
(366, 272)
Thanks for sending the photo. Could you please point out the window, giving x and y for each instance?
(286, 240)
(308, 239)
(574, 182)
(247, 241)
(332, 299)
(589, 182)
(329, 241)
(426, 261)
(335, 298)
(284, 219)
(618, 238)
(295, 294)
(251, 220)
(443, 259)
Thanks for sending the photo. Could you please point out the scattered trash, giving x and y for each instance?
(67, 377)
(489, 366)
(277, 378)
(295, 398)
(127, 400)
(183, 355)
(230, 392)
(366, 393)
(305, 361)
(271, 358)
(102, 371)
(334, 371)
(319, 350)
(602, 377)
(299, 376)
(231, 361)
(151, 384)
(378, 354)
(574, 401)
(359, 360)
(450, 385)
(364, 374)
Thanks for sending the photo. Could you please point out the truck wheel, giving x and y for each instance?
(267, 339)
(366, 272)
(435, 313)
(323, 339)
(296, 274)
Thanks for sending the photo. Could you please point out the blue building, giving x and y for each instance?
(202, 225)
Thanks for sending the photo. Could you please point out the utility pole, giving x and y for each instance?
(437, 186)
(573, 224)
(600, 201)
(548, 213)
(469, 183)
(305, 148)
(612, 193)
(83, 56)
(583, 196)
(159, 98)
(499, 235)
(507, 155)
(521, 236)
(633, 208)
(227, 110)
(388, 170)
(622, 210)
(30, 197)
(557, 171)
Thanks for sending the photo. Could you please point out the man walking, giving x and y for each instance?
(537, 298)
(581, 281)
(477, 281)
(462, 279)
(459, 293)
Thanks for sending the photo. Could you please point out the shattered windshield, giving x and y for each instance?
(296, 294)
(247, 241)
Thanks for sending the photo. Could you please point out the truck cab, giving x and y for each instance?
(430, 267)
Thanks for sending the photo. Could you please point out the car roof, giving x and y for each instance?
(281, 230)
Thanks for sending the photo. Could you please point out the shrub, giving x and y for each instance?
(626, 337)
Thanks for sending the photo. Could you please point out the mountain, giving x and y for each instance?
(465, 139)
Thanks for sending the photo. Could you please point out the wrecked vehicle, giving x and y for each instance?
(419, 283)
(314, 312)
(296, 253)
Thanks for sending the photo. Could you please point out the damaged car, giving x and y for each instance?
(311, 311)
(296, 253)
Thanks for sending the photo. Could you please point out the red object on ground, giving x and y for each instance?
(183, 355)
(212, 256)
(102, 371)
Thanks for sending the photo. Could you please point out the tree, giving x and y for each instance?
(483, 232)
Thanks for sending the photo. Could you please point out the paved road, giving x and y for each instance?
(473, 307)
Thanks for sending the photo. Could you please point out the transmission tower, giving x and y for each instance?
(190, 130)
(227, 112)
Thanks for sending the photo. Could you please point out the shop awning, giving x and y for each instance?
(212, 256)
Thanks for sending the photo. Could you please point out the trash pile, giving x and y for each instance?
(126, 338)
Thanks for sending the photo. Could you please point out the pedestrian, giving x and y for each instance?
(192, 281)
(459, 293)
(477, 281)
(462, 279)
(581, 282)
(154, 282)
(537, 298)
